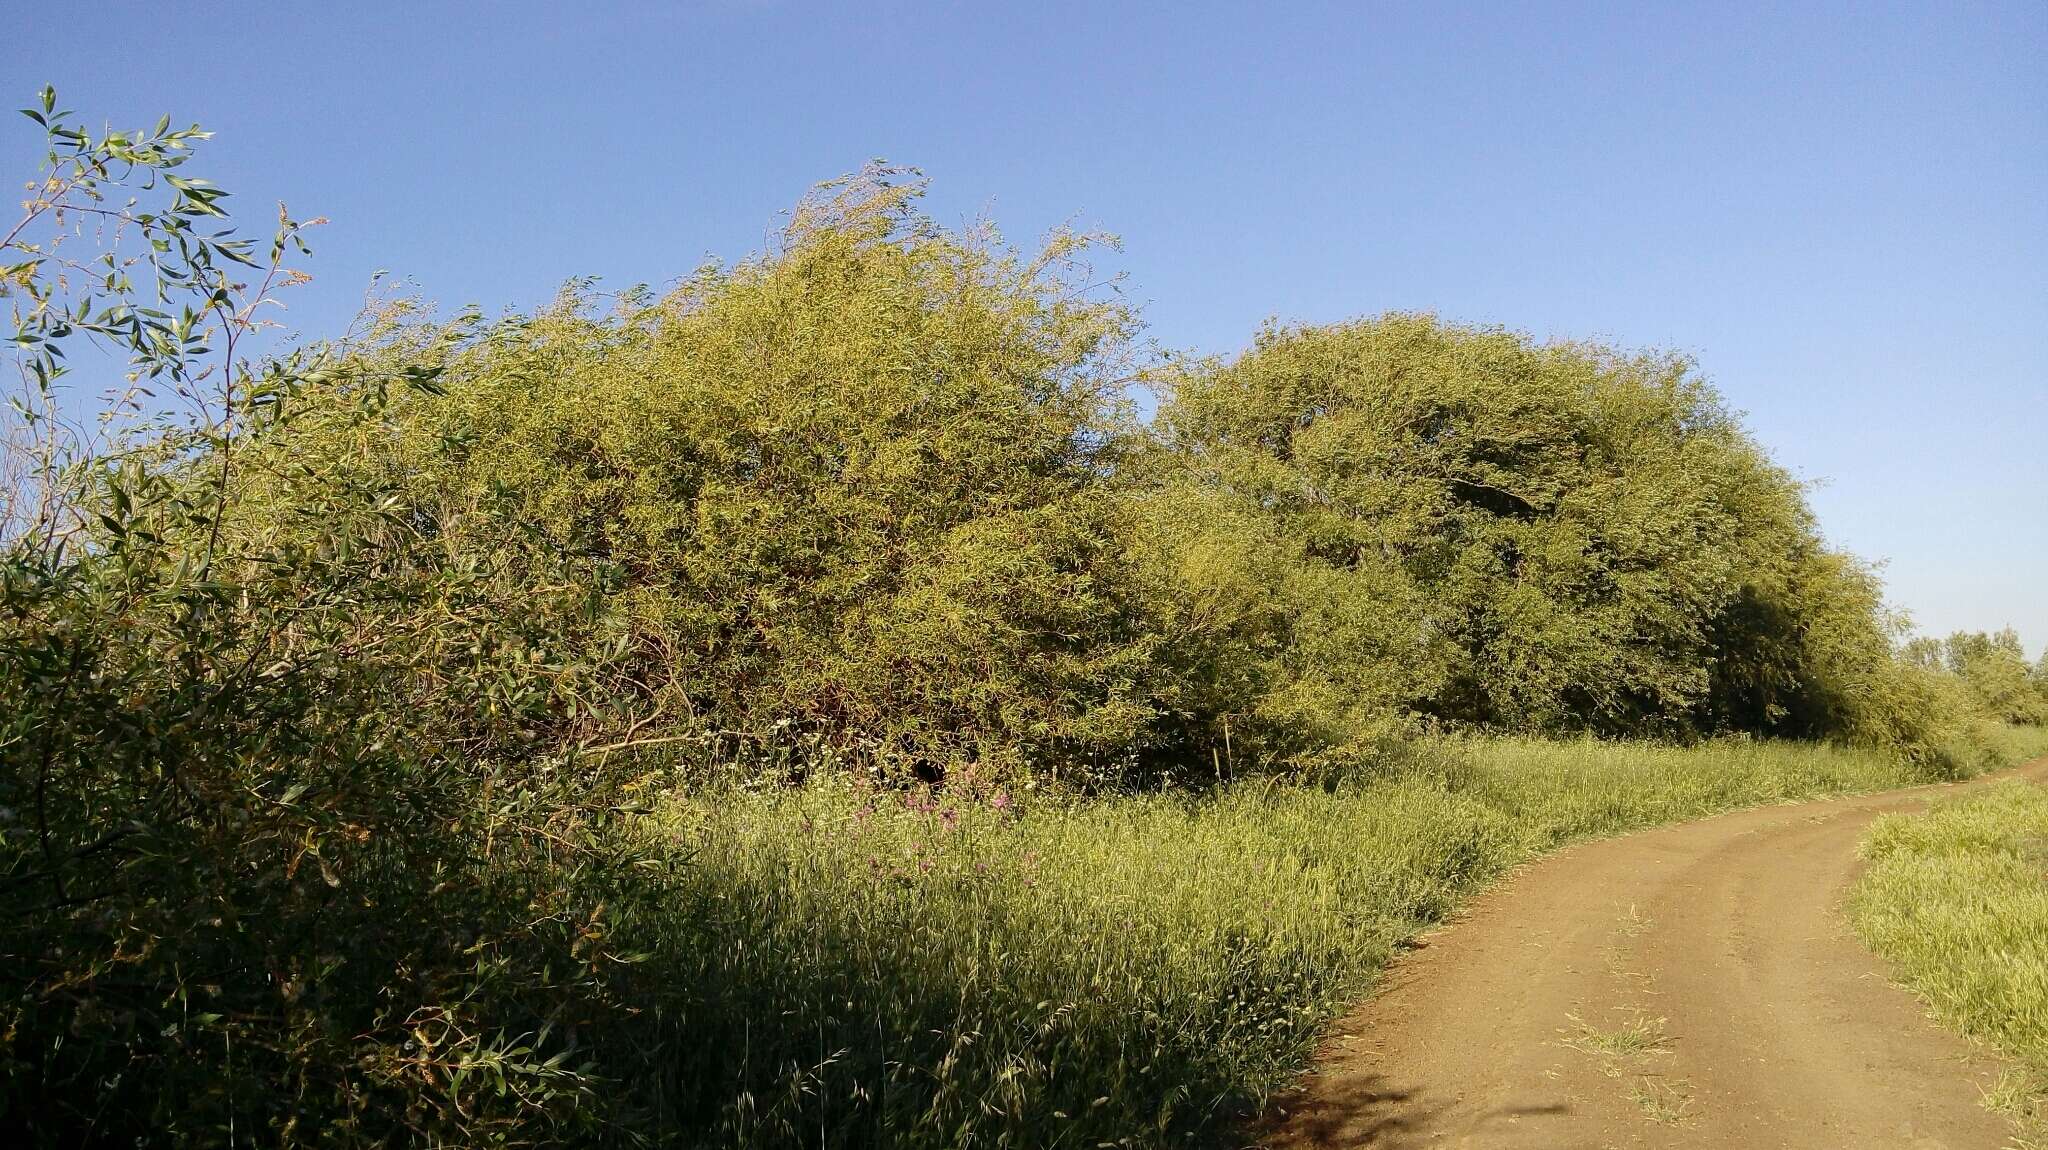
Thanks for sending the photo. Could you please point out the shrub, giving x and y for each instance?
(252, 887)
(864, 488)
(1538, 537)
(1993, 668)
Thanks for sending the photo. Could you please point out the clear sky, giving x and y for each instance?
(1841, 212)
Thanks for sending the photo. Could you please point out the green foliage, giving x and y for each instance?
(1496, 533)
(1994, 670)
(859, 488)
(254, 890)
(1955, 900)
(877, 491)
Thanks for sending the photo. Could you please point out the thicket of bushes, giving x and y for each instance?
(1991, 671)
(881, 489)
(339, 684)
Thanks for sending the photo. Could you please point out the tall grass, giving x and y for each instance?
(981, 968)
(1957, 901)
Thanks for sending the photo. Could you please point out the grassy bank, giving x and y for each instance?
(1956, 900)
(1005, 969)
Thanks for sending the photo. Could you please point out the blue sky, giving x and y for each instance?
(1841, 212)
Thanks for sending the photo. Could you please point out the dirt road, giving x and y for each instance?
(1696, 986)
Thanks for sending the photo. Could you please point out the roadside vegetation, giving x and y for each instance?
(1956, 900)
(807, 705)
(1148, 967)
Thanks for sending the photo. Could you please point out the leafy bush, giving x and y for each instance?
(253, 887)
(1536, 537)
(1993, 671)
(863, 488)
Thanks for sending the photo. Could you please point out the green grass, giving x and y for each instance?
(1662, 1101)
(1986, 743)
(1638, 1035)
(990, 969)
(1956, 900)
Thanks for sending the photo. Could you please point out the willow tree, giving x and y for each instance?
(1507, 534)
(853, 499)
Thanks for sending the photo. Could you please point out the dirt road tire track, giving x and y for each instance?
(1696, 986)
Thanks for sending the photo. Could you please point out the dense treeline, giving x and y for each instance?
(881, 489)
(1991, 671)
(413, 629)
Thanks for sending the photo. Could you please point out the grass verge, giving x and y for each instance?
(1956, 900)
(982, 968)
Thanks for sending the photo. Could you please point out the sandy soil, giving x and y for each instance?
(1695, 986)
